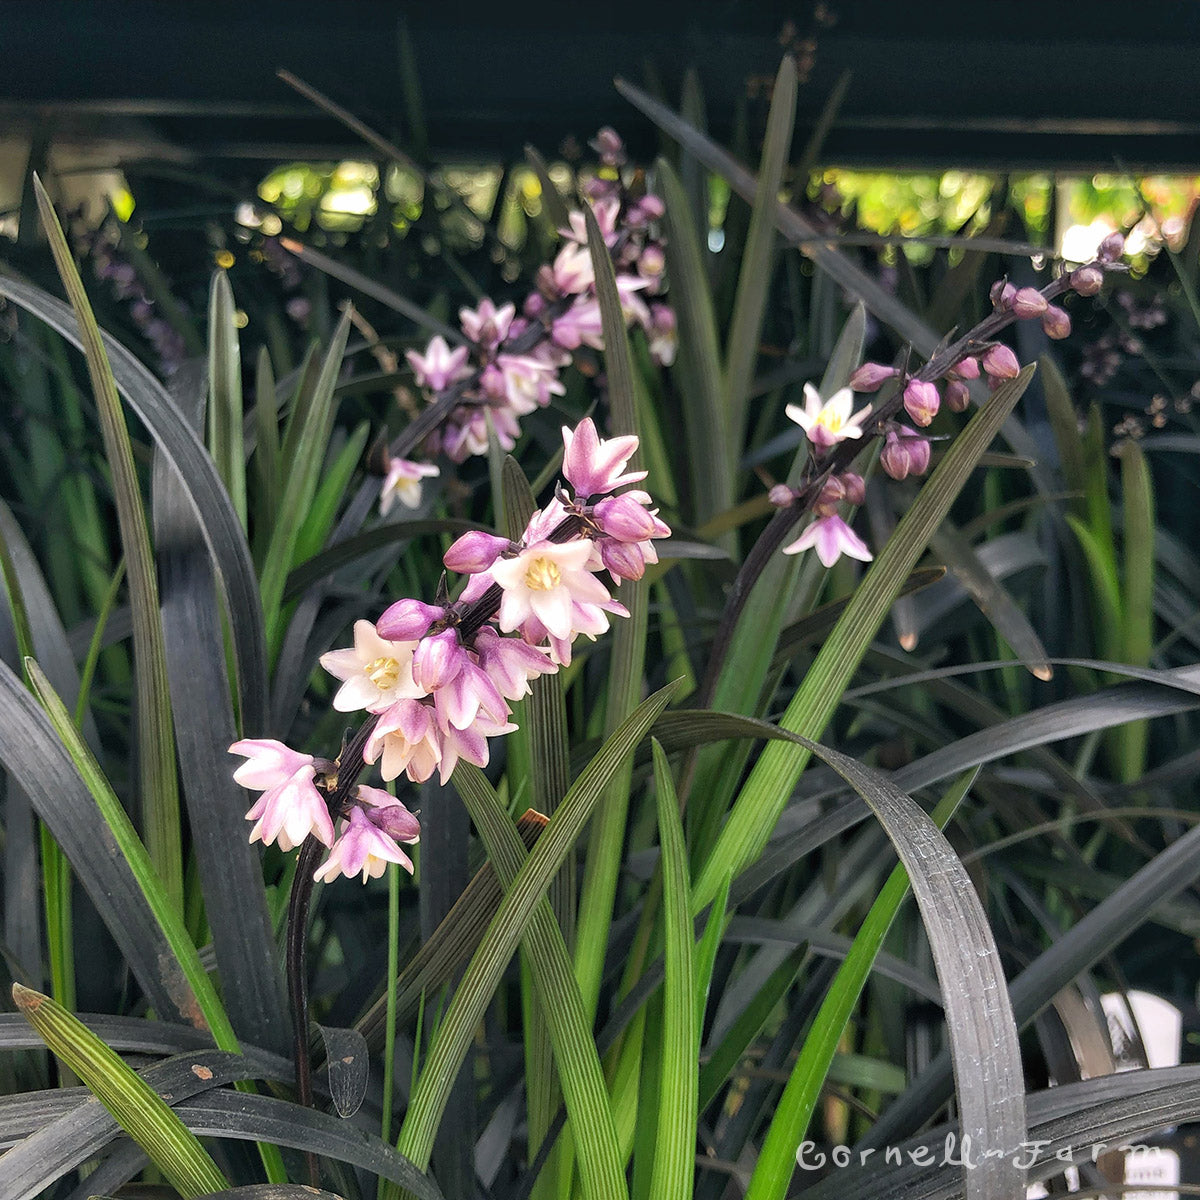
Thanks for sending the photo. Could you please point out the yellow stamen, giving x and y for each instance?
(542, 575)
(383, 672)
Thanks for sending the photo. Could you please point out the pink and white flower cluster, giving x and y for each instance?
(438, 679)
(508, 365)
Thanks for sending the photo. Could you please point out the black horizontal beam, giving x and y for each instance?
(1049, 85)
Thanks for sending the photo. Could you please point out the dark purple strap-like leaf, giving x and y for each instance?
(219, 524)
(32, 752)
(230, 870)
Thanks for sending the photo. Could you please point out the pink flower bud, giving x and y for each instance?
(870, 377)
(609, 146)
(649, 208)
(1001, 294)
(408, 620)
(437, 660)
(1111, 248)
(965, 368)
(1087, 281)
(904, 453)
(652, 261)
(385, 812)
(958, 396)
(1000, 362)
(625, 519)
(474, 552)
(781, 495)
(623, 559)
(853, 486)
(1056, 322)
(921, 401)
(1028, 302)
(535, 305)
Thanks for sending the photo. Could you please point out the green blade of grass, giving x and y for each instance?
(305, 458)
(134, 1104)
(754, 278)
(765, 793)
(266, 448)
(793, 1113)
(600, 1168)
(204, 1005)
(674, 1158)
(225, 392)
(158, 783)
(628, 642)
(698, 362)
(1137, 576)
(506, 929)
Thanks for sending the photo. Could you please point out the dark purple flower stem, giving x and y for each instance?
(839, 459)
(350, 764)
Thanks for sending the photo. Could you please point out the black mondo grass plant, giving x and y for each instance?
(479, 907)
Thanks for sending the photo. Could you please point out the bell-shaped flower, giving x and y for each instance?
(470, 744)
(487, 325)
(510, 663)
(375, 672)
(593, 465)
(580, 325)
(291, 806)
(361, 846)
(828, 422)
(405, 739)
(460, 702)
(542, 581)
(832, 538)
(439, 366)
(403, 483)
(388, 813)
(438, 659)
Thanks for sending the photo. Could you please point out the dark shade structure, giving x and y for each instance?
(1062, 85)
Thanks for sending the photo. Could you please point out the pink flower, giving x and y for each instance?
(487, 325)
(403, 483)
(579, 326)
(870, 377)
(543, 581)
(439, 366)
(290, 807)
(593, 465)
(407, 739)
(624, 518)
(572, 273)
(437, 660)
(408, 620)
(1000, 362)
(460, 701)
(832, 538)
(921, 401)
(525, 383)
(361, 846)
(474, 551)
(375, 672)
(471, 744)
(510, 663)
(904, 453)
(605, 211)
(827, 422)
(386, 812)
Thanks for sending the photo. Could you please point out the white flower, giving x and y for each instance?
(375, 673)
(827, 422)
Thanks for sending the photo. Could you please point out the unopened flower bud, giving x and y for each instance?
(535, 305)
(781, 495)
(609, 146)
(474, 552)
(1028, 302)
(958, 396)
(1087, 281)
(832, 493)
(853, 486)
(652, 261)
(1111, 248)
(642, 212)
(408, 620)
(437, 660)
(870, 377)
(1056, 322)
(1002, 293)
(1000, 362)
(624, 518)
(965, 368)
(904, 453)
(921, 401)
(624, 559)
